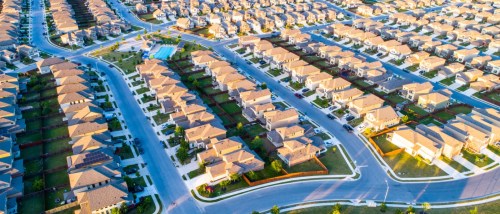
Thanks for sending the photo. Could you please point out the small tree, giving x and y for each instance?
(473, 211)
(275, 210)
(255, 212)
(383, 207)
(202, 167)
(256, 143)
(404, 118)
(182, 154)
(252, 175)
(337, 207)
(426, 206)
(123, 208)
(115, 211)
(277, 165)
(235, 177)
(223, 184)
(368, 131)
(398, 211)
(38, 184)
(239, 126)
(196, 84)
(410, 209)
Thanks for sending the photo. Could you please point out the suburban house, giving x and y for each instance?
(295, 152)
(103, 199)
(228, 157)
(44, 64)
(277, 118)
(256, 112)
(416, 58)
(468, 76)
(313, 81)
(381, 118)
(326, 88)
(300, 74)
(451, 70)
(415, 143)
(445, 51)
(288, 67)
(412, 91)
(451, 146)
(346, 96)
(465, 55)
(393, 85)
(487, 82)
(358, 107)
(201, 135)
(434, 101)
(251, 98)
(431, 63)
(279, 135)
(184, 23)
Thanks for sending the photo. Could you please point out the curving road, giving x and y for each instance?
(370, 186)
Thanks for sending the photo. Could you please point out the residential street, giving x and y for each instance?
(370, 186)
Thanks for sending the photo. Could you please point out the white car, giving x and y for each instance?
(361, 127)
(317, 130)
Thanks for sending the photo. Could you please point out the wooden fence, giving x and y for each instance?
(289, 175)
(62, 208)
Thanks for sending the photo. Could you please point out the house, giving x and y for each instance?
(288, 67)
(431, 63)
(494, 66)
(91, 143)
(237, 162)
(73, 98)
(280, 135)
(86, 160)
(326, 88)
(285, 34)
(200, 136)
(8, 56)
(416, 58)
(475, 138)
(224, 79)
(465, 55)
(399, 52)
(346, 96)
(184, 23)
(44, 64)
(434, 101)
(451, 146)
(313, 81)
(413, 91)
(262, 47)
(445, 51)
(248, 41)
(256, 112)
(479, 62)
(26, 51)
(415, 143)
(294, 152)
(300, 74)
(358, 107)
(393, 85)
(451, 70)
(387, 45)
(276, 119)
(251, 98)
(381, 118)
(86, 129)
(486, 82)
(92, 178)
(468, 76)
(103, 199)
(203, 61)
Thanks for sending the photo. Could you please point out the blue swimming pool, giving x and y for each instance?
(164, 53)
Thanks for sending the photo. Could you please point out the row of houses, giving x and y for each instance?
(395, 6)
(290, 139)
(474, 132)
(12, 168)
(222, 156)
(94, 170)
(236, 22)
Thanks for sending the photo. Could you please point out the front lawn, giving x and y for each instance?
(448, 81)
(335, 162)
(161, 118)
(417, 110)
(356, 122)
(195, 173)
(275, 72)
(221, 98)
(297, 85)
(494, 149)
(413, 68)
(323, 103)
(463, 87)
(126, 152)
(142, 90)
(430, 74)
(309, 93)
(479, 160)
(394, 98)
(406, 166)
(457, 166)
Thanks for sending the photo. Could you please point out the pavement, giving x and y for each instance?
(168, 182)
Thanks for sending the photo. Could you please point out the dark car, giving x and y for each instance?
(168, 132)
(131, 170)
(111, 66)
(379, 54)
(331, 117)
(348, 128)
(305, 90)
(298, 95)
(262, 62)
(349, 118)
(137, 141)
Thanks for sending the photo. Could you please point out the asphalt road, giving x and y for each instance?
(371, 185)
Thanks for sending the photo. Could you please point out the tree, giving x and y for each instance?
(196, 84)
(123, 208)
(275, 210)
(201, 167)
(383, 207)
(426, 206)
(398, 211)
(179, 131)
(335, 212)
(255, 212)
(115, 211)
(263, 86)
(145, 31)
(38, 184)
(410, 209)
(239, 126)
(252, 175)
(182, 154)
(368, 131)
(223, 184)
(277, 165)
(256, 143)
(191, 79)
(404, 118)
(337, 207)
(234, 177)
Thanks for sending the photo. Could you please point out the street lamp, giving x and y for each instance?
(387, 190)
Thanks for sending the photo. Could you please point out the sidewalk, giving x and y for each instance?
(448, 169)
(468, 164)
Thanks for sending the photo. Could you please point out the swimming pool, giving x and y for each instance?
(165, 52)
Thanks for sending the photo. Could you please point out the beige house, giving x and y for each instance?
(256, 112)
(487, 82)
(468, 76)
(300, 74)
(276, 119)
(290, 66)
(431, 63)
(415, 143)
(381, 118)
(433, 101)
(346, 96)
(294, 152)
(326, 88)
(451, 70)
(465, 55)
(184, 23)
(251, 98)
(201, 135)
(451, 146)
(358, 107)
(416, 58)
(313, 81)
(413, 91)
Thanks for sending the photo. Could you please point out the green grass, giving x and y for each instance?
(275, 72)
(395, 98)
(461, 109)
(479, 160)
(218, 190)
(126, 152)
(307, 166)
(56, 160)
(356, 121)
(445, 115)
(448, 81)
(309, 93)
(494, 96)
(492, 207)
(323, 103)
(335, 162)
(384, 144)
(221, 98)
(140, 181)
(55, 132)
(323, 136)
(406, 166)
(254, 130)
(142, 90)
(417, 109)
(231, 108)
(362, 83)
(267, 172)
(429, 120)
(32, 152)
(494, 149)
(457, 166)
(32, 205)
(29, 138)
(161, 118)
(50, 198)
(297, 85)
(56, 178)
(148, 210)
(463, 87)
(195, 173)
(430, 74)
(412, 68)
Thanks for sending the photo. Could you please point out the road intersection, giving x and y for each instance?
(370, 186)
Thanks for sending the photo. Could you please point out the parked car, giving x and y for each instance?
(331, 117)
(305, 90)
(349, 118)
(379, 54)
(348, 128)
(111, 66)
(299, 95)
(262, 62)
(169, 132)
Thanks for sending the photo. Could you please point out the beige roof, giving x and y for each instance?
(292, 131)
(87, 143)
(99, 198)
(218, 64)
(295, 151)
(206, 131)
(416, 138)
(200, 53)
(71, 88)
(71, 97)
(306, 70)
(293, 64)
(203, 59)
(434, 97)
(254, 95)
(383, 114)
(91, 176)
(87, 128)
(278, 115)
(71, 80)
(336, 83)
(319, 77)
(77, 107)
(348, 94)
(367, 100)
(417, 87)
(49, 62)
(63, 66)
(67, 72)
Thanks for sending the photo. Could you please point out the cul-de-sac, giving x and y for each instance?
(250, 106)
